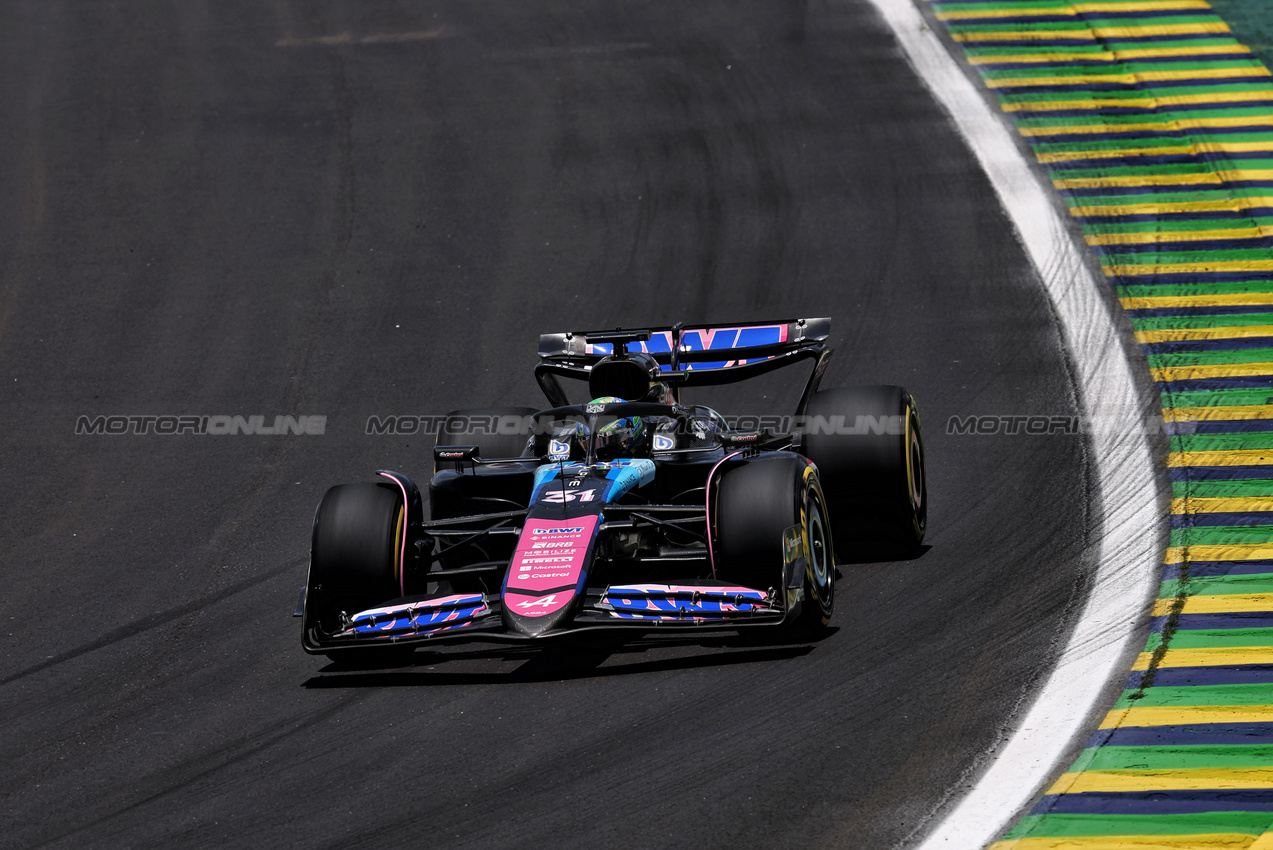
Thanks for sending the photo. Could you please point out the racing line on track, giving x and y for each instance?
(1156, 126)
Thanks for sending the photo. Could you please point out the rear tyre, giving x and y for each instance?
(755, 504)
(498, 432)
(869, 449)
(355, 561)
(473, 426)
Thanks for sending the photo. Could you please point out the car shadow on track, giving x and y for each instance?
(881, 553)
(556, 663)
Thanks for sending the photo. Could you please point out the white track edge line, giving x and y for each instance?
(1129, 549)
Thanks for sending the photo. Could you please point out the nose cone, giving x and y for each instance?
(515, 620)
(548, 573)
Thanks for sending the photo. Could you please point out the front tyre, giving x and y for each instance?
(355, 562)
(755, 506)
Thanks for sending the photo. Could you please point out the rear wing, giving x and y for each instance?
(702, 355)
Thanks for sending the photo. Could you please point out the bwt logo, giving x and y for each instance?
(535, 532)
(219, 425)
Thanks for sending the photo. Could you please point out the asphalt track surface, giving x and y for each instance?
(348, 209)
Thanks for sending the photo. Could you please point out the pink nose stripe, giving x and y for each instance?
(550, 554)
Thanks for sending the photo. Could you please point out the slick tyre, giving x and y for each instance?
(869, 449)
(355, 561)
(474, 427)
(755, 504)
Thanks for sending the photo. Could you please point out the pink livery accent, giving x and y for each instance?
(546, 567)
(707, 339)
(419, 618)
(749, 594)
(707, 508)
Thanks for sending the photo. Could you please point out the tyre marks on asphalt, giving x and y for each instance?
(1156, 127)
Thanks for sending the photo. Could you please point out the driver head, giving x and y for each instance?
(620, 438)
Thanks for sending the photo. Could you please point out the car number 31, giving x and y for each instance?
(559, 496)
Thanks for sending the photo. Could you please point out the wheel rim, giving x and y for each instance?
(819, 551)
(398, 548)
(915, 466)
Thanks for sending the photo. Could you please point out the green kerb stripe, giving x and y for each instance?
(1242, 488)
(1079, 826)
(1202, 695)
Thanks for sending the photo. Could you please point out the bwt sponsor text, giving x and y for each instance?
(212, 425)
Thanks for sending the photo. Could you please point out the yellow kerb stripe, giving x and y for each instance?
(1218, 413)
(1221, 370)
(1161, 29)
(1093, 33)
(1222, 300)
(1187, 715)
(1208, 657)
(1220, 552)
(1158, 207)
(1236, 603)
(1157, 237)
(1123, 181)
(1128, 79)
(1114, 56)
(1140, 102)
(1195, 148)
(1218, 778)
(1074, 9)
(1210, 505)
(1236, 457)
(1162, 125)
(1186, 268)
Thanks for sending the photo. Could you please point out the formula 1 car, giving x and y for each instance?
(632, 511)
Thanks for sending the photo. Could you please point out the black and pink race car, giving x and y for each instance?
(635, 510)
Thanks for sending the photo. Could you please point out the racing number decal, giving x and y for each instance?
(559, 496)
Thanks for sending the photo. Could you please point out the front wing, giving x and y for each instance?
(477, 616)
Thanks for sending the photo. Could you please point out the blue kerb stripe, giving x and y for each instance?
(1116, 66)
(1119, 252)
(1156, 802)
(1240, 519)
(1204, 569)
(1184, 677)
(1237, 620)
(1218, 473)
(1219, 426)
(1237, 382)
(1187, 345)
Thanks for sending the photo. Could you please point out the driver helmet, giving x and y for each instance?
(620, 438)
